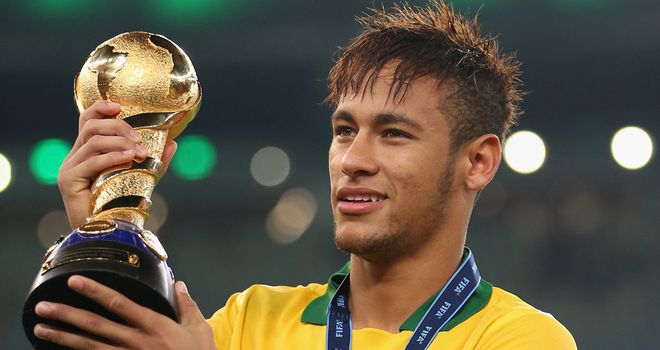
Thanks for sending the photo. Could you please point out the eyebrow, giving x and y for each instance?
(381, 119)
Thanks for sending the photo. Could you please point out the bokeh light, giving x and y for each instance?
(292, 216)
(46, 158)
(632, 147)
(5, 172)
(270, 166)
(524, 152)
(51, 226)
(195, 157)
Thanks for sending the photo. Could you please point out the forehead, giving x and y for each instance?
(419, 99)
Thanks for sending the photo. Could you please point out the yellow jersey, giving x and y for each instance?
(274, 318)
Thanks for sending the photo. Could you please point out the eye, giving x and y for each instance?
(344, 131)
(395, 133)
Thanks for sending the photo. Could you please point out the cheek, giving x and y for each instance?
(408, 164)
(334, 161)
(334, 168)
(416, 174)
(405, 180)
(336, 154)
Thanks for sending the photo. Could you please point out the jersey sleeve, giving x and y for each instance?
(225, 322)
(527, 331)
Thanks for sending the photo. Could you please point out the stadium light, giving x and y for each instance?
(632, 147)
(524, 152)
(5, 172)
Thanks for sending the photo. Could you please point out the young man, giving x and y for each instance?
(422, 102)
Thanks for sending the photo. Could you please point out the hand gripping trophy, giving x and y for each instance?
(156, 85)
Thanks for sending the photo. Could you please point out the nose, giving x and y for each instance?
(360, 159)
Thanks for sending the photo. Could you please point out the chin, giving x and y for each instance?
(369, 243)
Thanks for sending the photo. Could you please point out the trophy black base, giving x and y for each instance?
(115, 259)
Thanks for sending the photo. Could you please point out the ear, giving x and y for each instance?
(483, 157)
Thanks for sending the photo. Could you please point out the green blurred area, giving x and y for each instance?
(175, 11)
(195, 157)
(46, 158)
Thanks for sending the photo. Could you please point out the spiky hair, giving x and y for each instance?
(479, 86)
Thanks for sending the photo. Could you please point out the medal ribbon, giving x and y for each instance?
(448, 302)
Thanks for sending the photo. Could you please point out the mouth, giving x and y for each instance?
(362, 198)
(357, 201)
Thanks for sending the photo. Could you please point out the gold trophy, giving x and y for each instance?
(156, 85)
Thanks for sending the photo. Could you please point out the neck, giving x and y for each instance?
(383, 294)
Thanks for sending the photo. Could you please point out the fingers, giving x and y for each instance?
(79, 177)
(168, 153)
(103, 144)
(186, 306)
(96, 130)
(99, 119)
(99, 110)
(105, 127)
(115, 302)
(144, 329)
(84, 320)
(69, 340)
(98, 154)
(99, 145)
(74, 180)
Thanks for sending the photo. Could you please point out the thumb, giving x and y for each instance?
(186, 307)
(168, 153)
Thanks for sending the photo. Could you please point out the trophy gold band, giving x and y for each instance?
(156, 85)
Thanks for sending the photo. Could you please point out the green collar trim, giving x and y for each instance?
(315, 312)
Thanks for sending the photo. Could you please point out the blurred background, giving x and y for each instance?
(570, 224)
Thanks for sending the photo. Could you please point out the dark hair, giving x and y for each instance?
(479, 85)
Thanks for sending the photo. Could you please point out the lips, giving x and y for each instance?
(359, 200)
(363, 198)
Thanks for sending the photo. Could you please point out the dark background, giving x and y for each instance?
(578, 238)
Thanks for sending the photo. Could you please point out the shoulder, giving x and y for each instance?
(510, 323)
(260, 294)
(259, 307)
(262, 300)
